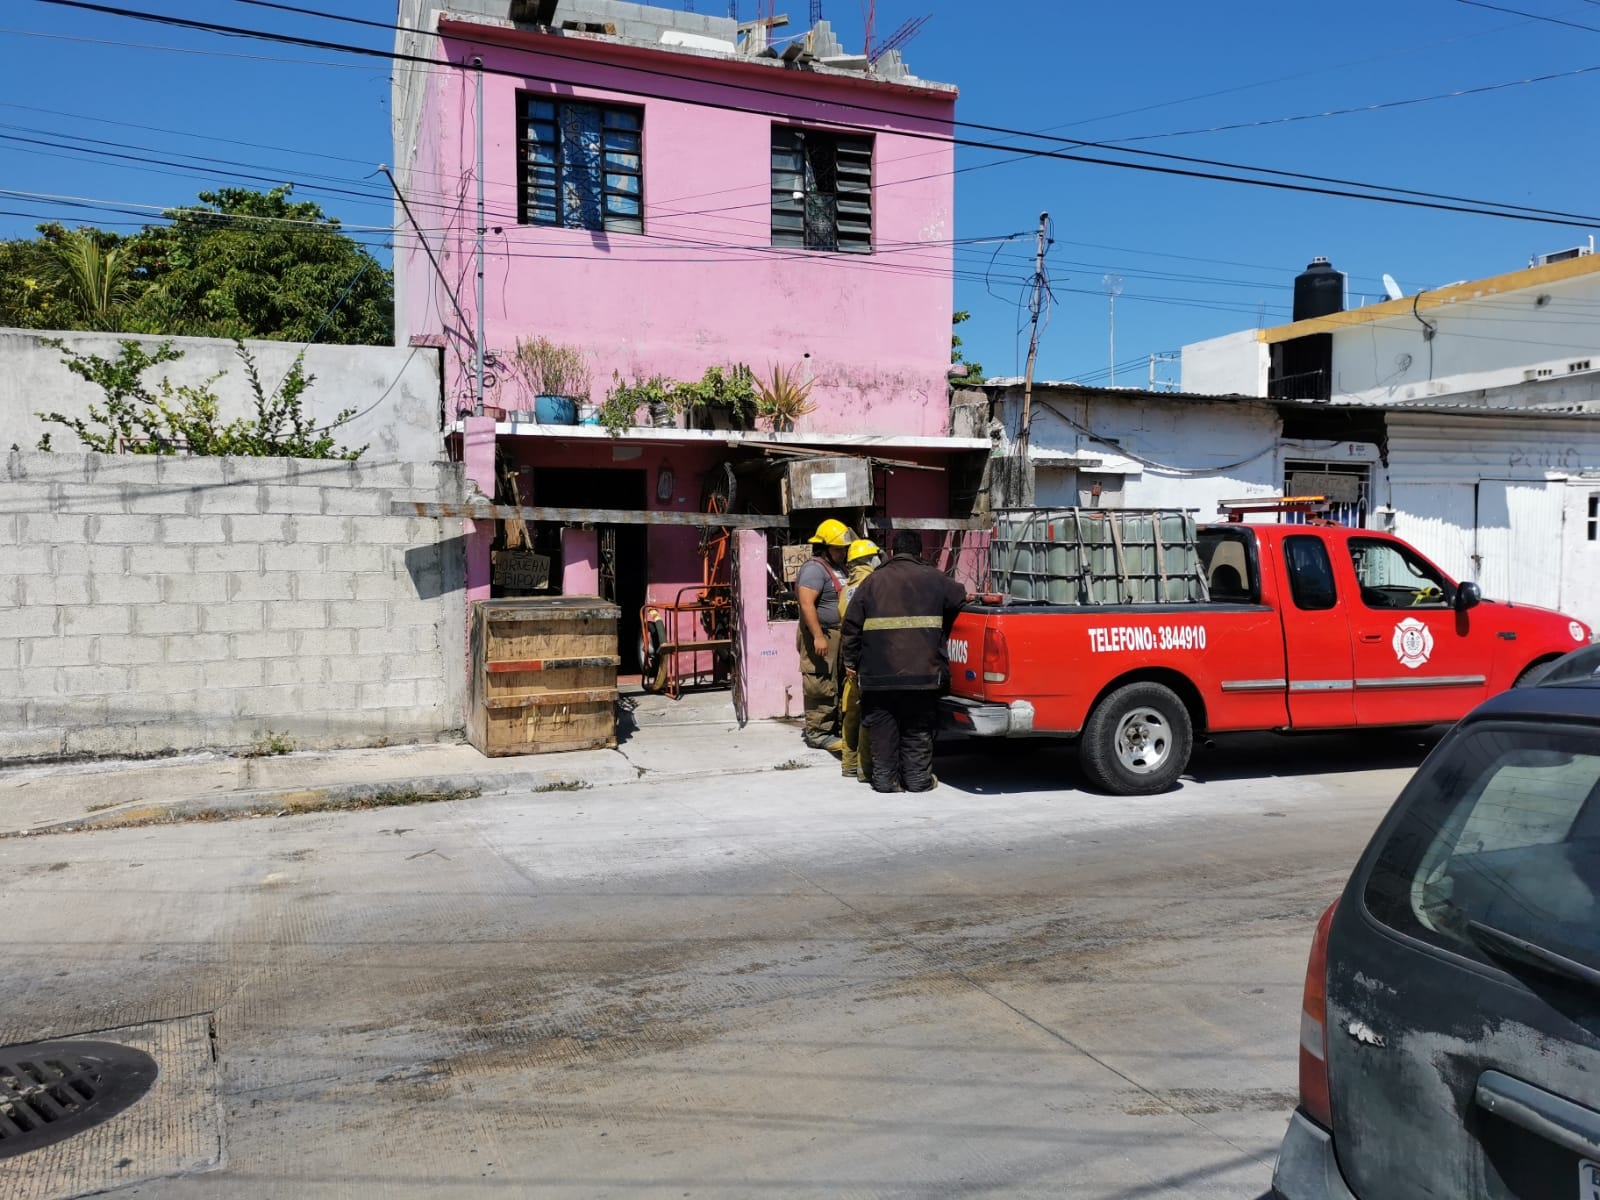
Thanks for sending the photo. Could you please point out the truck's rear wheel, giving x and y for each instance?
(1137, 741)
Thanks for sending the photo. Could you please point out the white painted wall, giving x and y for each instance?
(1235, 364)
(1490, 499)
(1161, 451)
(395, 391)
(1488, 341)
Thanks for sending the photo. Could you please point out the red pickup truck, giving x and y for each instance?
(1306, 627)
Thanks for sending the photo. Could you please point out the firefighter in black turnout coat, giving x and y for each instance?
(894, 644)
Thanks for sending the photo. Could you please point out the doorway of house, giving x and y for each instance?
(624, 549)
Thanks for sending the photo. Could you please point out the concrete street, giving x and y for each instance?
(771, 984)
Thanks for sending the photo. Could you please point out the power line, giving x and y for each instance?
(88, 41)
(274, 4)
(1403, 197)
(1517, 12)
(188, 133)
(1245, 87)
(1362, 108)
(883, 247)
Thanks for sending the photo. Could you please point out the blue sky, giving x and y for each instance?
(1195, 258)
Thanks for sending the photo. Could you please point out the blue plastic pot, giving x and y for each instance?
(555, 410)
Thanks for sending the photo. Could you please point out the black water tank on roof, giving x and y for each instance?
(1318, 291)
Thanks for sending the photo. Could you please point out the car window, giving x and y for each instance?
(1501, 827)
(1393, 577)
(1226, 560)
(1310, 573)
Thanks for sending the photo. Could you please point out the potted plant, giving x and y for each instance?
(625, 399)
(723, 398)
(783, 398)
(557, 376)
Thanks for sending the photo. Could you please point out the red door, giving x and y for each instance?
(1417, 660)
(1316, 634)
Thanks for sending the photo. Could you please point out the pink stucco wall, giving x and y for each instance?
(580, 562)
(702, 285)
(769, 664)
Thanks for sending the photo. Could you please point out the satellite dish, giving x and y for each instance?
(1392, 288)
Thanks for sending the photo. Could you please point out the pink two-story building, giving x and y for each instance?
(662, 193)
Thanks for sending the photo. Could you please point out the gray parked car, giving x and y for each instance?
(1450, 1038)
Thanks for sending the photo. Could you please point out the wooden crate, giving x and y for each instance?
(544, 675)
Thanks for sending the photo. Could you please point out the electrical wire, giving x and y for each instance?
(1164, 468)
(1517, 12)
(1361, 108)
(277, 5)
(1221, 172)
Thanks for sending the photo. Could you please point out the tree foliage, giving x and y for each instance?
(136, 418)
(974, 376)
(239, 264)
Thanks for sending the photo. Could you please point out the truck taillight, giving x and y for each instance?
(1315, 1098)
(996, 656)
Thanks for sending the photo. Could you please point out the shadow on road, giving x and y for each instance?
(1011, 767)
(1265, 755)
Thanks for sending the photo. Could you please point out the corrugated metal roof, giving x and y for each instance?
(1503, 403)
(1008, 382)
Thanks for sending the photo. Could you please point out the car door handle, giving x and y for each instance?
(1540, 1112)
(1372, 638)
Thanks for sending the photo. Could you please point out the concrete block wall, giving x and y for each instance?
(156, 605)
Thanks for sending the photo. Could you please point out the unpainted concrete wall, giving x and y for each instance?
(395, 391)
(151, 605)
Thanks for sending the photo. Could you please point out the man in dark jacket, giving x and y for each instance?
(895, 630)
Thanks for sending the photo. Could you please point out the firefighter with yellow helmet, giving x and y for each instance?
(818, 589)
(856, 757)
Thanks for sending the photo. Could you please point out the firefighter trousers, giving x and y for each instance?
(819, 684)
(856, 759)
(901, 725)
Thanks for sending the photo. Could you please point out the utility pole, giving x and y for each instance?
(483, 231)
(1035, 308)
(1113, 286)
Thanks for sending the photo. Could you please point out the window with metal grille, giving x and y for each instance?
(581, 166)
(1344, 486)
(821, 190)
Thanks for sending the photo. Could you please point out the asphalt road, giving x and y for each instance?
(773, 985)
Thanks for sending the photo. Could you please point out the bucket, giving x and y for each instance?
(555, 410)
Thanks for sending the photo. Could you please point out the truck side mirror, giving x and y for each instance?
(1468, 595)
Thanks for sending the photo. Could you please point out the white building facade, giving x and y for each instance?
(1129, 448)
(1472, 410)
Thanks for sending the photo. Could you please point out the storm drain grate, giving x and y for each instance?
(52, 1090)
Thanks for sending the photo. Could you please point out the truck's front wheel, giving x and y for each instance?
(1137, 741)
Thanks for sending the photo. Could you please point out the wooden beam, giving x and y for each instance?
(582, 516)
(930, 524)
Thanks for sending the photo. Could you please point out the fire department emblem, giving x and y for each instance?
(1413, 643)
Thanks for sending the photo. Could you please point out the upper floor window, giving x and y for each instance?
(581, 165)
(821, 190)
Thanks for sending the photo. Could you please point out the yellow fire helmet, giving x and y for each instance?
(862, 548)
(832, 533)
